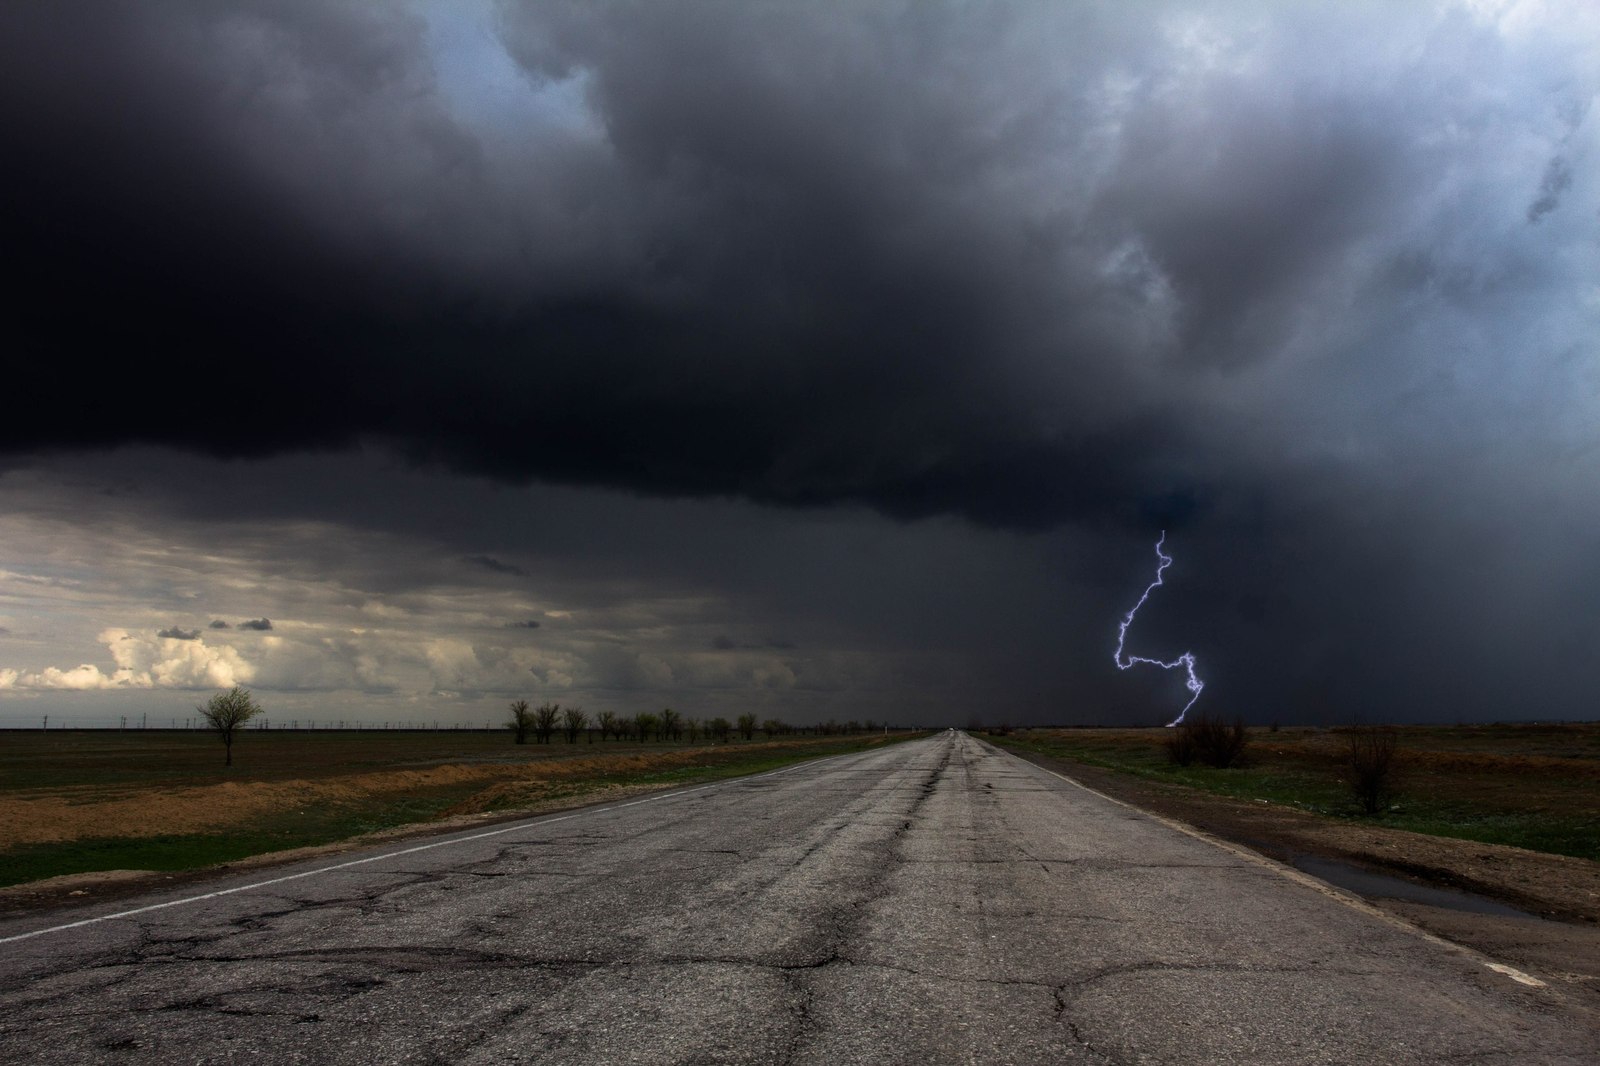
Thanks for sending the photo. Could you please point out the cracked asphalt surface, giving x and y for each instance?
(936, 901)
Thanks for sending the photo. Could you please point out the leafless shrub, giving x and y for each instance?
(1180, 746)
(1216, 742)
(1371, 758)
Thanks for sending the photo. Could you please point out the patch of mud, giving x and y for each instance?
(1364, 882)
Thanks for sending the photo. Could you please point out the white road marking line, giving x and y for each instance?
(406, 851)
(1313, 883)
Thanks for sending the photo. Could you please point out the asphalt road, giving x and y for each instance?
(932, 902)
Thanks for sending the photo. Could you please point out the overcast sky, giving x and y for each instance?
(830, 360)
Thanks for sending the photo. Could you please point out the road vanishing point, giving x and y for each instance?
(935, 901)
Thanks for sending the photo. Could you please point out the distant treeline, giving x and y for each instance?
(665, 725)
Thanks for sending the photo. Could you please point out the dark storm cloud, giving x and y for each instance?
(175, 633)
(862, 255)
(529, 623)
(217, 623)
(1262, 277)
(723, 642)
(258, 624)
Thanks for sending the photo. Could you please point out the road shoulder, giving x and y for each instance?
(1560, 942)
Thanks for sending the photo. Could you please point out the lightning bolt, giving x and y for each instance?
(1186, 660)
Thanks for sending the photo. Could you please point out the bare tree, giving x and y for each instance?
(773, 727)
(572, 723)
(693, 726)
(520, 721)
(718, 729)
(747, 725)
(671, 724)
(544, 721)
(608, 725)
(1371, 761)
(646, 723)
(226, 712)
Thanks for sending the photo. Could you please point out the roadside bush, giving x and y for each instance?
(1180, 746)
(1371, 758)
(1210, 740)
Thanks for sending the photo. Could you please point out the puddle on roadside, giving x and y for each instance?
(1366, 883)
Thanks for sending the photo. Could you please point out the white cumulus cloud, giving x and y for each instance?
(143, 662)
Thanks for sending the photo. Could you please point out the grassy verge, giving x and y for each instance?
(192, 851)
(510, 779)
(1534, 787)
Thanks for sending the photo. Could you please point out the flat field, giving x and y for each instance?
(1527, 786)
(94, 800)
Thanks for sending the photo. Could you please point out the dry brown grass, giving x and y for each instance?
(55, 815)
